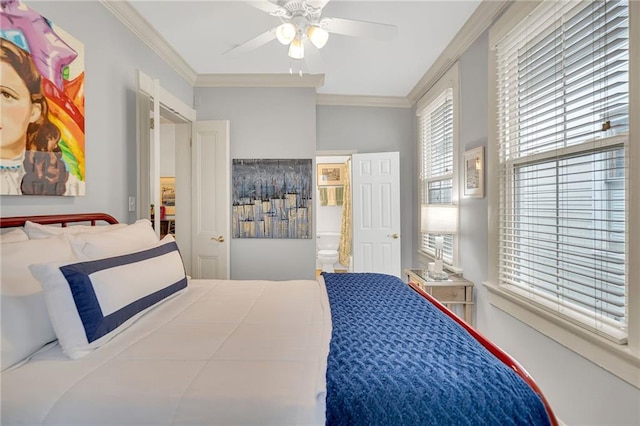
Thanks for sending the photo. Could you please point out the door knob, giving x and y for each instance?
(220, 239)
(394, 236)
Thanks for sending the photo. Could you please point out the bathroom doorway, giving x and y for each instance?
(370, 241)
(330, 208)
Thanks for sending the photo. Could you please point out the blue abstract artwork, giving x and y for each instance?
(272, 198)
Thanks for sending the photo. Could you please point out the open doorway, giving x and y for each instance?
(174, 135)
(330, 210)
(164, 162)
(183, 167)
(372, 226)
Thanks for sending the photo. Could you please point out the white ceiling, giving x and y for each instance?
(202, 31)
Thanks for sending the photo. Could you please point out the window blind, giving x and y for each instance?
(436, 172)
(563, 124)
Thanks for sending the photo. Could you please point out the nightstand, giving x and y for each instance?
(452, 292)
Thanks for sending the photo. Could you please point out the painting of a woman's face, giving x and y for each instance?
(17, 111)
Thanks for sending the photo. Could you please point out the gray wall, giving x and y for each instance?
(580, 392)
(367, 130)
(112, 56)
(285, 123)
(266, 123)
(473, 133)
(281, 123)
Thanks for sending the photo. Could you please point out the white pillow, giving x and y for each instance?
(36, 231)
(90, 302)
(13, 236)
(137, 236)
(24, 319)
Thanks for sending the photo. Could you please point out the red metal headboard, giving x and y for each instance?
(62, 219)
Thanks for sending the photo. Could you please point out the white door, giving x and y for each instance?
(210, 200)
(376, 213)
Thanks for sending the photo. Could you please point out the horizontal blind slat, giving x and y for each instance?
(562, 218)
(436, 150)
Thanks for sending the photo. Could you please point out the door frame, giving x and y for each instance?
(316, 205)
(148, 156)
(351, 153)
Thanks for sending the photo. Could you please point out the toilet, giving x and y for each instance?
(327, 244)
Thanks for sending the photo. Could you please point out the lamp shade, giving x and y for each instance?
(296, 49)
(285, 33)
(439, 218)
(318, 36)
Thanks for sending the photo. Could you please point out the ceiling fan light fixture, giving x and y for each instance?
(318, 36)
(285, 33)
(296, 49)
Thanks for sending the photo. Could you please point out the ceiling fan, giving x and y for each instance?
(303, 24)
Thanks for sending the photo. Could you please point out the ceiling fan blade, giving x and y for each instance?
(269, 7)
(254, 43)
(351, 27)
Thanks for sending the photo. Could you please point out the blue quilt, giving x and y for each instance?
(395, 359)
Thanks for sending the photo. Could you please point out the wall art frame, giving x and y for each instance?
(474, 172)
(47, 156)
(272, 198)
(330, 174)
(168, 194)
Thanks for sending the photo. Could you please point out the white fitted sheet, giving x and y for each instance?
(224, 352)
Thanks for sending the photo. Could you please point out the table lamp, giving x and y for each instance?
(438, 220)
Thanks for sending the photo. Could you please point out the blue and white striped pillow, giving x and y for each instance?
(90, 302)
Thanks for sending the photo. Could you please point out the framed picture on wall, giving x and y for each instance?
(474, 173)
(272, 198)
(53, 161)
(168, 194)
(330, 174)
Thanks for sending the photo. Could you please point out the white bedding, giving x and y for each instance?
(224, 352)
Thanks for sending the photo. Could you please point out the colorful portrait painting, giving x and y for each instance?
(42, 136)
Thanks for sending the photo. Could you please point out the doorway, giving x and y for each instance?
(183, 166)
(194, 193)
(164, 179)
(174, 135)
(329, 207)
(374, 226)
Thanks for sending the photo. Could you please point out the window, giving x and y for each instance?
(562, 147)
(437, 148)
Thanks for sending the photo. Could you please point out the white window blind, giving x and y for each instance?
(563, 133)
(435, 124)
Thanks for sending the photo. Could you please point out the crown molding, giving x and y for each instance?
(152, 38)
(363, 101)
(259, 80)
(481, 19)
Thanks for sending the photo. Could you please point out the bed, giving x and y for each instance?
(148, 345)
